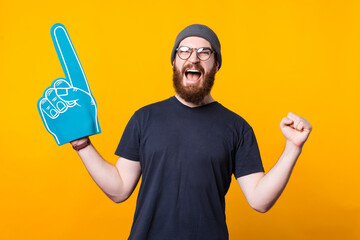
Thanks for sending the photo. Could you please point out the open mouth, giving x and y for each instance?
(193, 75)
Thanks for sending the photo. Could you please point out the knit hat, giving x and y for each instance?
(198, 30)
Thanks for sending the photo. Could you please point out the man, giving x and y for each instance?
(187, 148)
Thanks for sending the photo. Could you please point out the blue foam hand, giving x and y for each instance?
(67, 108)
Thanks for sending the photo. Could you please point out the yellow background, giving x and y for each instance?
(278, 56)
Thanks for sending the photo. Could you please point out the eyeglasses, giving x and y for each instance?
(203, 53)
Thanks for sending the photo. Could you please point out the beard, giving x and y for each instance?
(193, 93)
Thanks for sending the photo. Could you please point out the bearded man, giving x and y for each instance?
(187, 148)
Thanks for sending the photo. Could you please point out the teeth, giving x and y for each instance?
(193, 70)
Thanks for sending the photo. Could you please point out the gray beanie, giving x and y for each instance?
(198, 30)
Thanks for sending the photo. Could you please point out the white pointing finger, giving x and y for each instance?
(68, 57)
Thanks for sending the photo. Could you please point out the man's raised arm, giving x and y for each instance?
(117, 182)
(260, 190)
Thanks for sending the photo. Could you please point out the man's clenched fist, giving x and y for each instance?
(296, 129)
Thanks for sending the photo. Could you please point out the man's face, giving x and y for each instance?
(193, 78)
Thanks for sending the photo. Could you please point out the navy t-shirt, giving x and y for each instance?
(187, 157)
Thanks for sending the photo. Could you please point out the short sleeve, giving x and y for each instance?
(129, 144)
(247, 157)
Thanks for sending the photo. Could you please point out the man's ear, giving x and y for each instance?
(217, 66)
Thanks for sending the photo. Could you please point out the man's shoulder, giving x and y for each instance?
(153, 109)
(231, 116)
(230, 113)
(156, 105)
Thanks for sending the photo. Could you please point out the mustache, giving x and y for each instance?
(192, 66)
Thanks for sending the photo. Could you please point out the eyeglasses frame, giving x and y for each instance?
(197, 53)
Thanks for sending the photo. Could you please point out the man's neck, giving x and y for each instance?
(207, 99)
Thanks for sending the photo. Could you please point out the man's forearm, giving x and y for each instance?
(270, 187)
(103, 173)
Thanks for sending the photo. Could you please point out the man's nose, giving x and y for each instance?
(193, 58)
